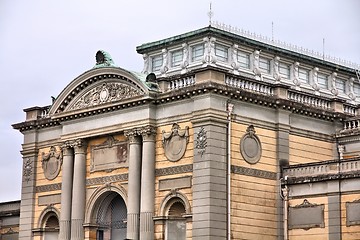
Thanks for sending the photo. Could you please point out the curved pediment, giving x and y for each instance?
(100, 86)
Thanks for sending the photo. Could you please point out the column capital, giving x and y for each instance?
(79, 146)
(133, 136)
(66, 148)
(148, 133)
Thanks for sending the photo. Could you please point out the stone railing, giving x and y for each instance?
(181, 83)
(309, 100)
(247, 85)
(349, 109)
(352, 124)
(323, 168)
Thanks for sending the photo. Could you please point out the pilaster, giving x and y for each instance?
(209, 179)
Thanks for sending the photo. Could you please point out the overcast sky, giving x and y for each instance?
(44, 45)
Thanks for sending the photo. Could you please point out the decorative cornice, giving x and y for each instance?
(253, 172)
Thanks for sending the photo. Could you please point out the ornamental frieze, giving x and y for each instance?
(105, 93)
(174, 142)
(51, 163)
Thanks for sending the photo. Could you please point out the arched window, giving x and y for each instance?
(175, 228)
(51, 227)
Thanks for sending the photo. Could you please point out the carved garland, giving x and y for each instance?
(201, 141)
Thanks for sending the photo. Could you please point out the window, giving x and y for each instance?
(284, 70)
(304, 75)
(340, 85)
(157, 62)
(243, 59)
(197, 52)
(221, 52)
(176, 223)
(322, 81)
(357, 89)
(176, 58)
(264, 64)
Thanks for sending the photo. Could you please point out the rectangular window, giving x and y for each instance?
(176, 58)
(156, 62)
(197, 52)
(357, 89)
(264, 64)
(221, 52)
(323, 81)
(243, 59)
(284, 70)
(304, 75)
(340, 85)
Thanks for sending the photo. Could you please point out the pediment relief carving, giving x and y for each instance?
(104, 93)
(51, 163)
(174, 142)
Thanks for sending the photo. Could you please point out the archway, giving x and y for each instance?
(111, 218)
(49, 223)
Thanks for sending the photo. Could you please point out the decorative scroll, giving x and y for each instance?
(253, 172)
(105, 93)
(51, 163)
(250, 146)
(201, 141)
(174, 142)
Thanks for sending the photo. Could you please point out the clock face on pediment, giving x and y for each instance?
(102, 93)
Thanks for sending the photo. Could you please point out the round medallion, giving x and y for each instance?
(250, 146)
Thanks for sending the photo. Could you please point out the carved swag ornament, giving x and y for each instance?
(51, 163)
(174, 142)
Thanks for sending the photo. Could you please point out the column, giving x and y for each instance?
(79, 190)
(66, 192)
(147, 184)
(134, 185)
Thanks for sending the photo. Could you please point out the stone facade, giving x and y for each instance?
(226, 138)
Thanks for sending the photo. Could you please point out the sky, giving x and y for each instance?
(44, 45)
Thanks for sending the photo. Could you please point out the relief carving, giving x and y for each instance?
(250, 146)
(174, 142)
(105, 93)
(51, 163)
(201, 141)
(306, 215)
(27, 170)
(109, 155)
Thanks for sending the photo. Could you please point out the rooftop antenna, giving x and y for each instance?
(272, 31)
(323, 49)
(210, 14)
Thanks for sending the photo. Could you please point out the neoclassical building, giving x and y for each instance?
(223, 135)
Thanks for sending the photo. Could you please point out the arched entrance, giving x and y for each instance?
(110, 217)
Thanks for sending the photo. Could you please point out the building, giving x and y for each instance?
(9, 220)
(224, 135)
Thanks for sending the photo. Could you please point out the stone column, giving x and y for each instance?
(134, 185)
(147, 184)
(79, 190)
(66, 192)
